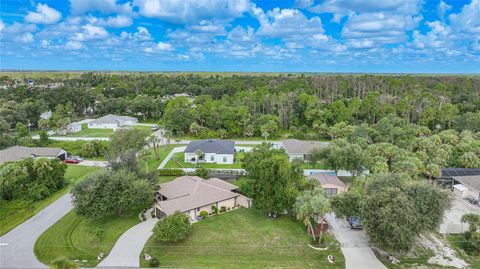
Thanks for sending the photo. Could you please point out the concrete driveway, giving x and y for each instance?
(354, 245)
(127, 250)
(16, 247)
(452, 219)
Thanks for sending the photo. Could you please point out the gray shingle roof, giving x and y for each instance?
(295, 146)
(211, 146)
(110, 118)
(17, 153)
(190, 192)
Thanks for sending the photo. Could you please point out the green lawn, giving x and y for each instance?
(13, 213)
(153, 163)
(244, 238)
(163, 179)
(178, 161)
(460, 244)
(75, 237)
(91, 132)
(73, 147)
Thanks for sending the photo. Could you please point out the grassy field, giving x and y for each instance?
(163, 179)
(13, 213)
(244, 238)
(178, 161)
(75, 237)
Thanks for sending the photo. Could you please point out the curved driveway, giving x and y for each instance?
(127, 250)
(16, 247)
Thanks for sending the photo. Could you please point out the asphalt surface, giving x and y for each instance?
(16, 247)
(354, 245)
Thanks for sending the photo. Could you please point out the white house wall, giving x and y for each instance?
(210, 158)
(103, 125)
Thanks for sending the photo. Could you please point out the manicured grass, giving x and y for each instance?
(178, 161)
(13, 213)
(163, 179)
(244, 238)
(75, 237)
(141, 127)
(153, 163)
(73, 147)
(91, 132)
(460, 244)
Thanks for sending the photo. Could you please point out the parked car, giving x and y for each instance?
(78, 158)
(355, 222)
(472, 200)
(72, 161)
(154, 128)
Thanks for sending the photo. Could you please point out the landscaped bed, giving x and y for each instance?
(178, 161)
(13, 213)
(79, 238)
(244, 238)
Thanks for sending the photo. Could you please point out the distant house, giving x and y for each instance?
(331, 184)
(74, 127)
(192, 195)
(299, 149)
(213, 151)
(17, 153)
(111, 121)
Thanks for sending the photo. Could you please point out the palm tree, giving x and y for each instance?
(155, 144)
(473, 220)
(144, 155)
(312, 204)
(198, 153)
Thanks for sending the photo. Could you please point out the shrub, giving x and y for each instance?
(153, 262)
(214, 209)
(201, 172)
(63, 263)
(223, 209)
(204, 214)
(170, 172)
(172, 228)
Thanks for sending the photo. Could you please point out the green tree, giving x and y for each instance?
(473, 221)
(347, 204)
(172, 228)
(178, 115)
(111, 193)
(275, 182)
(43, 138)
(127, 139)
(310, 205)
(395, 227)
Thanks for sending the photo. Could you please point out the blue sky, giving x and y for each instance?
(430, 36)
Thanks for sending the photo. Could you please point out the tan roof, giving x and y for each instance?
(189, 192)
(17, 153)
(327, 179)
(295, 146)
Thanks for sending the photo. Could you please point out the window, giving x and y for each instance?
(224, 159)
(330, 191)
(212, 158)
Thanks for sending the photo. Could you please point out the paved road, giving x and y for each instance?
(16, 247)
(127, 250)
(354, 245)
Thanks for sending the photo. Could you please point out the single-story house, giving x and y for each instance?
(74, 127)
(213, 151)
(331, 184)
(17, 153)
(299, 149)
(111, 121)
(192, 195)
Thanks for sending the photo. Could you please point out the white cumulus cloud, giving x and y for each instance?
(44, 15)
